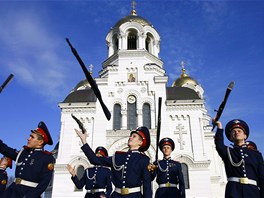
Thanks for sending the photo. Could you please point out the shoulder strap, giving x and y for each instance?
(18, 155)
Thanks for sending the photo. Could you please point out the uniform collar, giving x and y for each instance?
(36, 149)
(236, 146)
(133, 151)
(166, 158)
(33, 149)
(2, 169)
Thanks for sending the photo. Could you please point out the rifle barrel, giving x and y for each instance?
(9, 78)
(223, 103)
(158, 128)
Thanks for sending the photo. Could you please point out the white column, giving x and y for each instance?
(140, 119)
(110, 49)
(124, 119)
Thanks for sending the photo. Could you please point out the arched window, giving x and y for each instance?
(132, 40)
(149, 43)
(146, 115)
(117, 117)
(79, 174)
(185, 175)
(115, 43)
(131, 112)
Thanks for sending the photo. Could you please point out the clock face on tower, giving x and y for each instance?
(131, 99)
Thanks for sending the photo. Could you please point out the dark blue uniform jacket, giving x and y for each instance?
(97, 177)
(129, 170)
(3, 181)
(34, 165)
(252, 168)
(169, 171)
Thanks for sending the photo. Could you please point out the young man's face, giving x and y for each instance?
(34, 141)
(238, 134)
(98, 154)
(134, 141)
(166, 150)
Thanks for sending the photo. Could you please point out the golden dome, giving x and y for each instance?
(84, 84)
(133, 18)
(184, 79)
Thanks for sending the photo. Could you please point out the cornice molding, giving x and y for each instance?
(191, 163)
(184, 107)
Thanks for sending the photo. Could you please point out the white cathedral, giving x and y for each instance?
(131, 81)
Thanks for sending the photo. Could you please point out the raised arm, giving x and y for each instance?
(104, 161)
(8, 151)
(219, 140)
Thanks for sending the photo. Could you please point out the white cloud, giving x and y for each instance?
(32, 52)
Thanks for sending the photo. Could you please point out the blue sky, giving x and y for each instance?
(219, 41)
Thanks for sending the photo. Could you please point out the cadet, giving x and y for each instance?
(97, 180)
(129, 169)
(34, 166)
(5, 162)
(244, 167)
(169, 173)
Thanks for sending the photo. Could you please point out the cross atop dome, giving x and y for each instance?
(91, 69)
(183, 68)
(133, 12)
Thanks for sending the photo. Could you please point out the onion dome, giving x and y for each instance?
(82, 92)
(84, 84)
(184, 79)
(133, 18)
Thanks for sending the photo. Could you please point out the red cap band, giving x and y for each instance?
(43, 134)
(238, 126)
(101, 152)
(142, 135)
(166, 143)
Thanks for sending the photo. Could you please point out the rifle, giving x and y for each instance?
(91, 81)
(158, 128)
(80, 124)
(222, 105)
(9, 78)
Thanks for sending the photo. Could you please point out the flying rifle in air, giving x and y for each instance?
(80, 124)
(9, 78)
(91, 81)
(222, 105)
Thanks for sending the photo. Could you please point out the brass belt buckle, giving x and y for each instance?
(168, 184)
(18, 180)
(92, 191)
(124, 191)
(243, 180)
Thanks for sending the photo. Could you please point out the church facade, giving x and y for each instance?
(131, 81)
